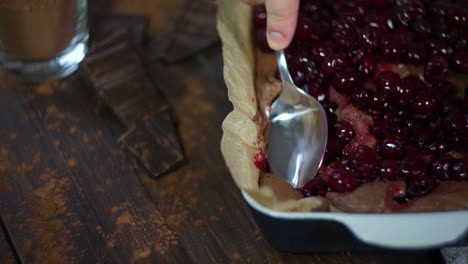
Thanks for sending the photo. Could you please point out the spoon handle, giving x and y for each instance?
(283, 69)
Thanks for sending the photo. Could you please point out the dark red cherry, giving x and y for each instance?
(368, 64)
(416, 53)
(459, 17)
(409, 11)
(405, 91)
(439, 146)
(344, 131)
(378, 102)
(322, 30)
(380, 4)
(421, 186)
(388, 82)
(347, 81)
(259, 15)
(421, 28)
(441, 167)
(392, 51)
(380, 127)
(460, 169)
(438, 48)
(361, 98)
(315, 187)
(381, 20)
(424, 103)
(389, 170)
(315, 91)
(304, 29)
(333, 149)
(460, 62)
(363, 159)
(391, 147)
(436, 70)
(344, 37)
(332, 63)
(355, 56)
(342, 180)
(412, 168)
(321, 50)
(369, 38)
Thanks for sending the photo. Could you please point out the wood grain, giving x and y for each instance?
(75, 199)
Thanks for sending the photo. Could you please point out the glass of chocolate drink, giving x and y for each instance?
(42, 40)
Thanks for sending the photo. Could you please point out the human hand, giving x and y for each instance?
(281, 21)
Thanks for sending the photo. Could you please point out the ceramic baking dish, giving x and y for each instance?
(308, 231)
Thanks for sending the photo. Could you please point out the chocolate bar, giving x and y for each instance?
(115, 70)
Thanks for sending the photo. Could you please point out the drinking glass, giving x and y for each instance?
(42, 40)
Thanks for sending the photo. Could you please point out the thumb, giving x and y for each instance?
(281, 22)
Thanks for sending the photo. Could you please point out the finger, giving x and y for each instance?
(253, 2)
(281, 22)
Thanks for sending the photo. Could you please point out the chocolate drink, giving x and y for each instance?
(37, 29)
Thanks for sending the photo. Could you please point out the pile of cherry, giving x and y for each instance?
(420, 121)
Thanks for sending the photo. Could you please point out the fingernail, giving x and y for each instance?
(276, 40)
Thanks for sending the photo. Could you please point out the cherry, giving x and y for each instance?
(380, 127)
(333, 62)
(460, 62)
(389, 170)
(380, 4)
(368, 64)
(381, 20)
(346, 82)
(322, 30)
(320, 50)
(344, 37)
(437, 147)
(388, 82)
(405, 91)
(363, 159)
(421, 186)
(315, 91)
(369, 38)
(378, 102)
(391, 147)
(459, 17)
(259, 15)
(355, 56)
(333, 149)
(412, 168)
(304, 29)
(421, 28)
(314, 187)
(361, 98)
(409, 11)
(344, 131)
(416, 53)
(441, 167)
(460, 169)
(393, 50)
(424, 103)
(342, 180)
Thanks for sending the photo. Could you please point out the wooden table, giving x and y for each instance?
(104, 207)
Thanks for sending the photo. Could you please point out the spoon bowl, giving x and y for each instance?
(298, 132)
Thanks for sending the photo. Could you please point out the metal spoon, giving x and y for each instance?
(298, 132)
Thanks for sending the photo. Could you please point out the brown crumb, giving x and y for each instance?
(85, 139)
(73, 130)
(13, 136)
(99, 133)
(51, 109)
(124, 219)
(214, 218)
(72, 163)
(236, 256)
(140, 254)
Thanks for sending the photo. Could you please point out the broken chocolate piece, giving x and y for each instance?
(155, 143)
(117, 73)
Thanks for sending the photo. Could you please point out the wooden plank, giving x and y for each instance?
(74, 197)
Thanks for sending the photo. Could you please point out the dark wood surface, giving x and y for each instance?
(69, 194)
